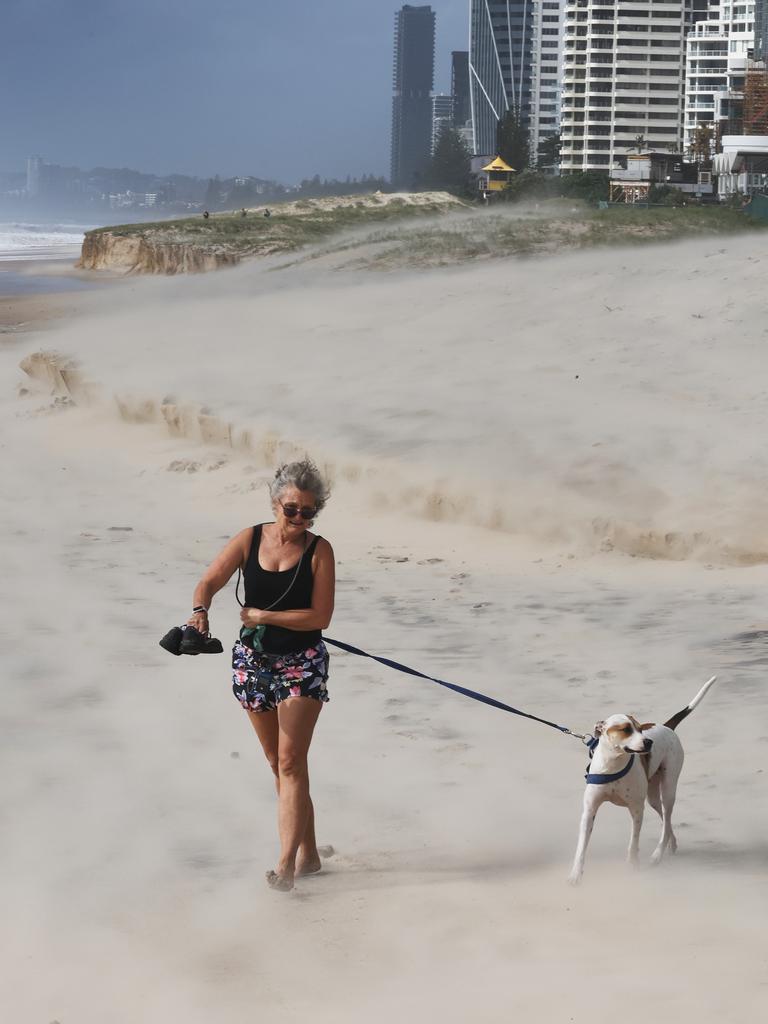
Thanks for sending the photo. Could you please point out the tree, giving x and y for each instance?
(702, 143)
(639, 146)
(512, 142)
(449, 167)
(548, 156)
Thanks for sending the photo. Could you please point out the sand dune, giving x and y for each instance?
(547, 486)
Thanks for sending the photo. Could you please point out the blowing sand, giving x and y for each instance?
(549, 485)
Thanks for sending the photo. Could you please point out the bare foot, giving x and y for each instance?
(313, 864)
(278, 883)
(309, 867)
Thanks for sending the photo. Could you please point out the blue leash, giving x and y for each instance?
(453, 686)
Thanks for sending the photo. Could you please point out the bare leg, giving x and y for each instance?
(266, 728)
(296, 718)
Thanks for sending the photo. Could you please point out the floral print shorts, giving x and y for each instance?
(260, 681)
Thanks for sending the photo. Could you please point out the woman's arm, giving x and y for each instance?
(323, 591)
(218, 574)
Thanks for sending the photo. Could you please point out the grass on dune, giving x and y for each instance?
(397, 239)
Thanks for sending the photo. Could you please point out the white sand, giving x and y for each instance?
(135, 841)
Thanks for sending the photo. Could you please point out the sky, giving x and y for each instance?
(281, 89)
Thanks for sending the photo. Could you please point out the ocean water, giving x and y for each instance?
(27, 241)
(47, 248)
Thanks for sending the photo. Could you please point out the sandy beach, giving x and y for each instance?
(548, 485)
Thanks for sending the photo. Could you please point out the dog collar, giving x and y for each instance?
(595, 779)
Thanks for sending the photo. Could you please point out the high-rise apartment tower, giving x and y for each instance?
(460, 87)
(717, 54)
(622, 78)
(414, 70)
(514, 61)
(761, 30)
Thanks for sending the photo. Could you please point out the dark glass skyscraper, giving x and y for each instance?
(460, 87)
(761, 30)
(412, 100)
(501, 37)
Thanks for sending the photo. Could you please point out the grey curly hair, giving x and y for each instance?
(304, 476)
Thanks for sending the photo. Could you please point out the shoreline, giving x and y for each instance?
(57, 290)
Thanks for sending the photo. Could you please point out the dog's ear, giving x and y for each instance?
(646, 725)
(599, 726)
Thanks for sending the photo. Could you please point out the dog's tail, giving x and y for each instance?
(675, 720)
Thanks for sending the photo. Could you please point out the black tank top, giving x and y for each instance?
(263, 588)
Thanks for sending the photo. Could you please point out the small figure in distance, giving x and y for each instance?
(243, 212)
(206, 215)
(267, 212)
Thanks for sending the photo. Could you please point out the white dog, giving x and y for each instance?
(629, 763)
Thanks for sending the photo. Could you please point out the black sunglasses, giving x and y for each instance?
(291, 511)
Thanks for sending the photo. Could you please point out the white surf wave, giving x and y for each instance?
(20, 241)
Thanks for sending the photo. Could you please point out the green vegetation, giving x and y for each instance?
(384, 232)
(591, 186)
(289, 227)
(551, 227)
(450, 165)
(512, 140)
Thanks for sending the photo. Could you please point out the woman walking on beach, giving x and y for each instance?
(280, 663)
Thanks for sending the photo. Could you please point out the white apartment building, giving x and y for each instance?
(546, 71)
(623, 63)
(715, 65)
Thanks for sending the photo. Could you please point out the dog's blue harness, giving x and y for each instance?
(595, 779)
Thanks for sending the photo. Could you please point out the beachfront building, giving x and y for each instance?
(414, 69)
(622, 79)
(442, 116)
(741, 166)
(514, 63)
(717, 52)
(634, 177)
